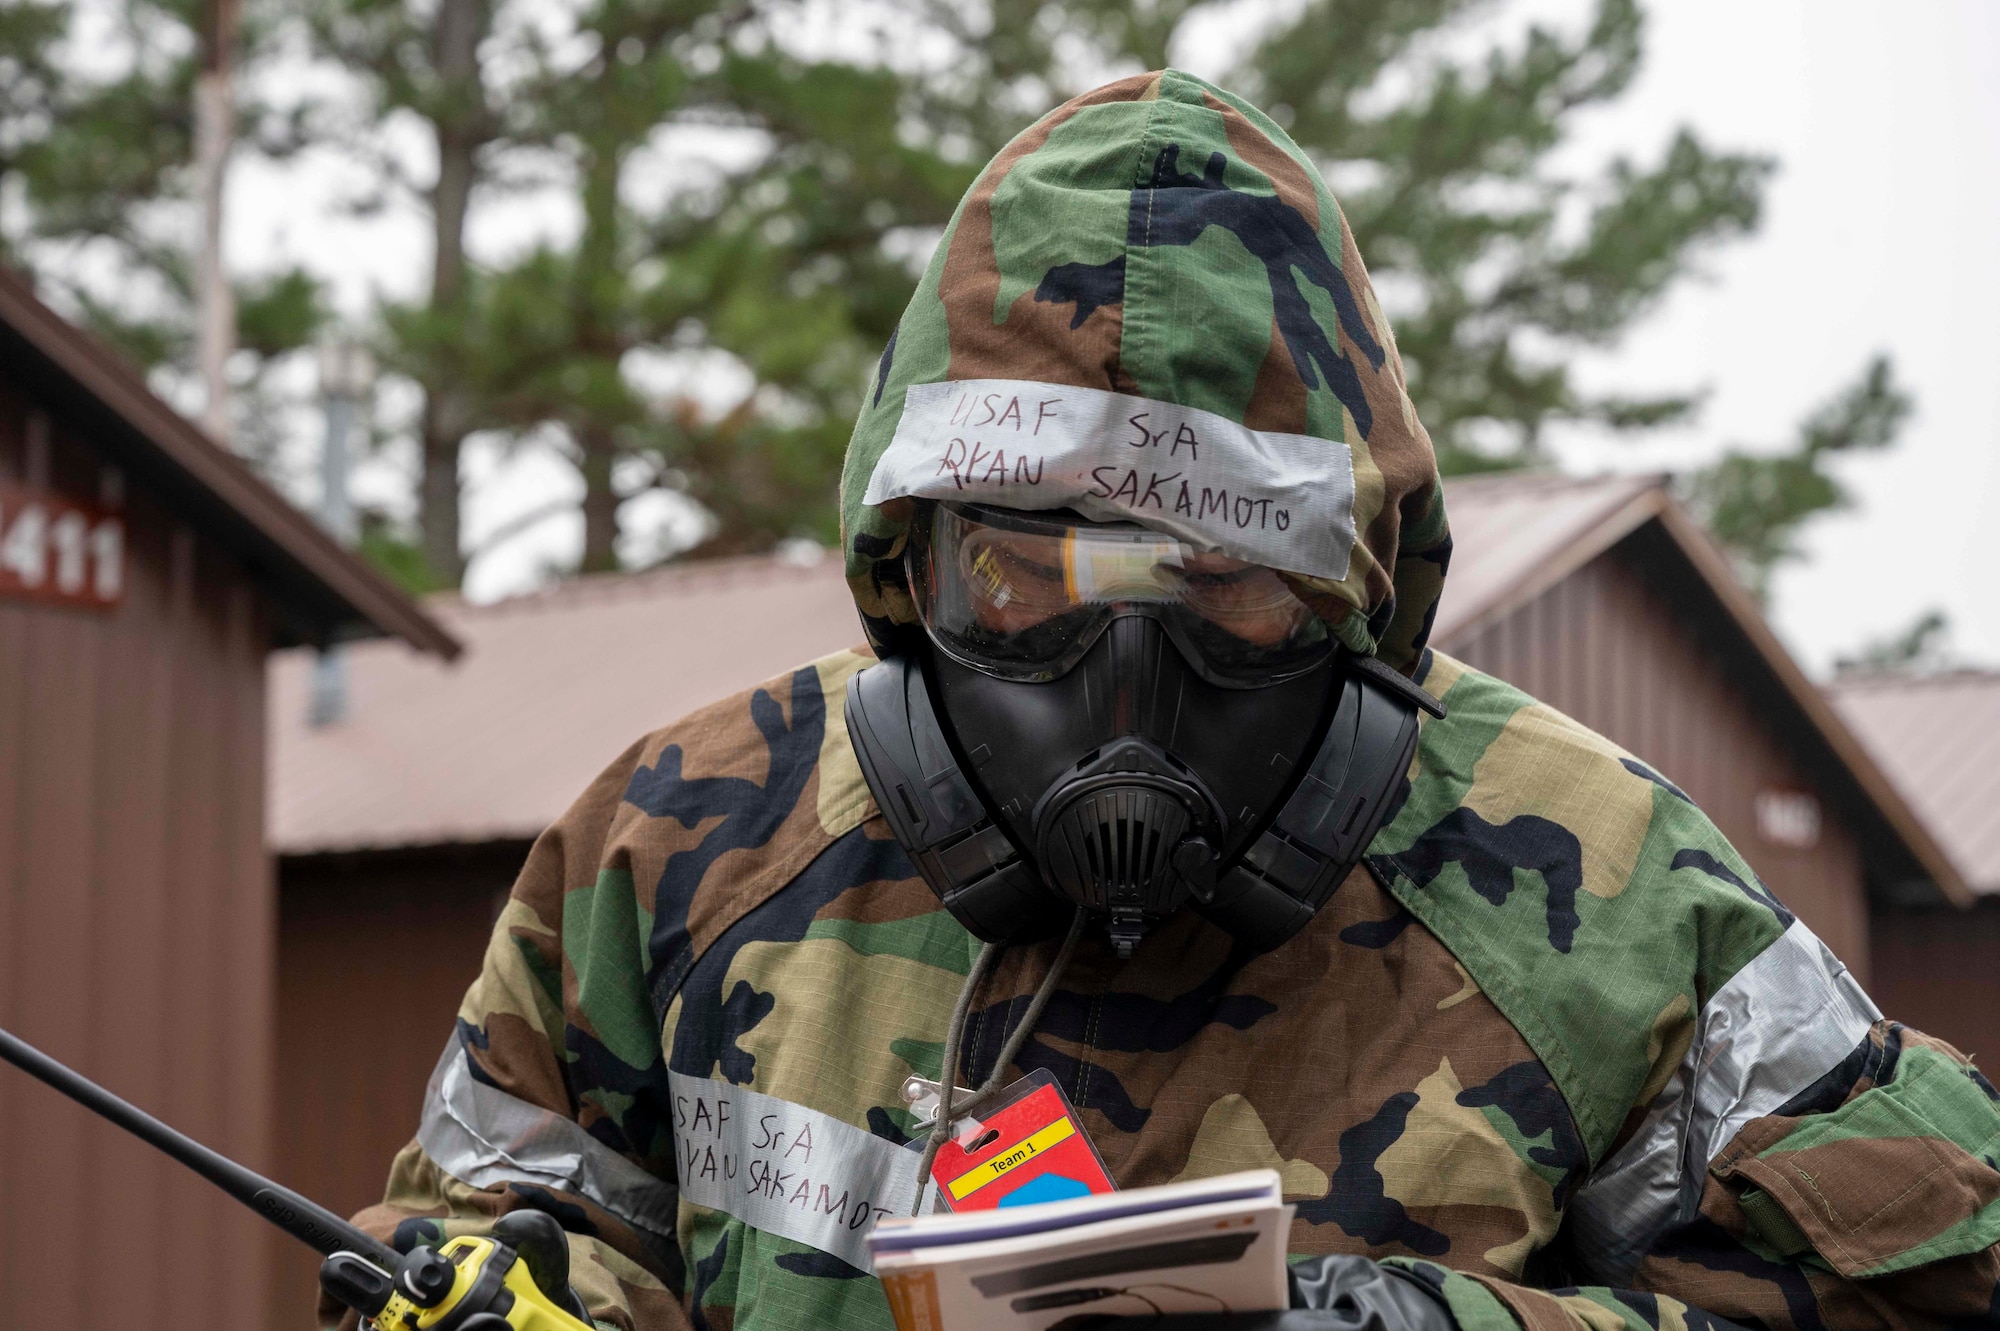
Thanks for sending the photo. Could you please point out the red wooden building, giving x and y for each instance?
(144, 576)
(1938, 736)
(1606, 600)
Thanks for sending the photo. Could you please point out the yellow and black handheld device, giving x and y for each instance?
(516, 1280)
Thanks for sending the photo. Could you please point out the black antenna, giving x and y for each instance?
(303, 1220)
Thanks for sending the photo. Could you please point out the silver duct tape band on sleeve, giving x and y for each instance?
(483, 1136)
(1780, 1024)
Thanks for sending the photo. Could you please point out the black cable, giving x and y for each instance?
(1221, 1304)
(1158, 1311)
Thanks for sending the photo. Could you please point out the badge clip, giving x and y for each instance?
(923, 1096)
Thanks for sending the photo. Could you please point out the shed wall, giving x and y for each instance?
(1607, 646)
(1939, 971)
(136, 917)
(375, 953)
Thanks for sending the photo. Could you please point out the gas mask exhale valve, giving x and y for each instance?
(1110, 719)
(1114, 833)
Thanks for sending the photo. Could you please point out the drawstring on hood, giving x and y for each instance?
(949, 1110)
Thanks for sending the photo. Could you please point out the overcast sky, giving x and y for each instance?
(1882, 231)
(1880, 234)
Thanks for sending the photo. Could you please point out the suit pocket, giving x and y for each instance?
(1900, 1176)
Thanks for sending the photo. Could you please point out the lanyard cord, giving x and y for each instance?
(961, 1015)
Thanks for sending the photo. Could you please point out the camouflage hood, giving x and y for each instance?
(1149, 306)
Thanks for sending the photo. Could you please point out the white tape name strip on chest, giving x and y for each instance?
(1286, 500)
(786, 1169)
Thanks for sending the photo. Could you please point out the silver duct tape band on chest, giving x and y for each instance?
(785, 1169)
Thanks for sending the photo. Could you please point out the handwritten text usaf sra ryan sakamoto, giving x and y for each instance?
(1283, 499)
(785, 1168)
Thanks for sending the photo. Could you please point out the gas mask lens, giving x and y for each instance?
(1023, 596)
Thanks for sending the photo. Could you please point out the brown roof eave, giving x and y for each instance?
(1624, 512)
(320, 585)
(1874, 783)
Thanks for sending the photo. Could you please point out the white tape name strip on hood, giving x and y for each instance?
(787, 1169)
(1285, 500)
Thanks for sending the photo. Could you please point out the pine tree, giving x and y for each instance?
(426, 61)
(791, 261)
(1922, 647)
(778, 264)
(1499, 268)
(1496, 267)
(1756, 501)
(31, 86)
(96, 191)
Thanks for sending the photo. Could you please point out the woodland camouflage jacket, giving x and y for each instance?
(1553, 1047)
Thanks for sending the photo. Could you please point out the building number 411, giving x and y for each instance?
(55, 550)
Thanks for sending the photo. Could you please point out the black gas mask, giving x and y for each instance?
(1102, 715)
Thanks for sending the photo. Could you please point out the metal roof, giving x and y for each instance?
(1516, 534)
(557, 684)
(1938, 736)
(321, 590)
(553, 686)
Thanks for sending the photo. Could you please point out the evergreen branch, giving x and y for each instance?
(1756, 503)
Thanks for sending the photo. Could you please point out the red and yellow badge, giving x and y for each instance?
(1027, 1147)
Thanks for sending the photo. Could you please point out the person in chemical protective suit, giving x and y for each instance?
(1156, 788)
